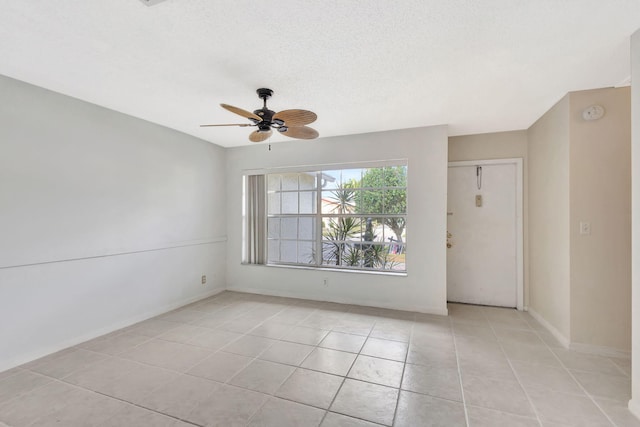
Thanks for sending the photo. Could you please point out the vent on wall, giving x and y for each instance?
(151, 2)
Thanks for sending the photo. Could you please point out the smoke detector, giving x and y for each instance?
(151, 2)
(594, 112)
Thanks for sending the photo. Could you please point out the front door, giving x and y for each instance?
(482, 254)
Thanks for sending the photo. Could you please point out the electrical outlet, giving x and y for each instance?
(204, 279)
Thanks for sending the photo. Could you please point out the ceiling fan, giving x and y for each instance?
(291, 123)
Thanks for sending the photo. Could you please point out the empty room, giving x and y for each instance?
(341, 214)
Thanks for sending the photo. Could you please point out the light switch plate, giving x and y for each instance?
(479, 200)
(585, 228)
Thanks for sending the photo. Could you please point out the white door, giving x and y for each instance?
(483, 223)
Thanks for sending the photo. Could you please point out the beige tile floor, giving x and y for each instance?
(247, 360)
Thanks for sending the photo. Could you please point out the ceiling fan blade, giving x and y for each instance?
(241, 112)
(296, 117)
(234, 124)
(259, 136)
(301, 132)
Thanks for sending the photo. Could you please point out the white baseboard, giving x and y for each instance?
(6, 365)
(549, 327)
(600, 350)
(579, 347)
(339, 300)
(634, 408)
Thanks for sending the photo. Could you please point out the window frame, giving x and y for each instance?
(317, 239)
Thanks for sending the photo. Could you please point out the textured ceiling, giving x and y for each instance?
(362, 66)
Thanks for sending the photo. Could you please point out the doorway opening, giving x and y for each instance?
(485, 233)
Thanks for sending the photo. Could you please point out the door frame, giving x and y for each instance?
(519, 218)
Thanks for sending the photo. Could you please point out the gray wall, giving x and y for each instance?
(500, 145)
(634, 404)
(104, 220)
(549, 255)
(600, 193)
(424, 286)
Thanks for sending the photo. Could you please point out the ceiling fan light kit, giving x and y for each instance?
(291, 123)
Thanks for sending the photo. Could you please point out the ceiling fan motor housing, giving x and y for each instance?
(266, 116)
(264, 112)
(264, 127)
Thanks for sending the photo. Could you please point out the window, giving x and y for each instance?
(338, 218)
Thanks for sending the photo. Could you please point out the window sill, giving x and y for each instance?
(334, 270)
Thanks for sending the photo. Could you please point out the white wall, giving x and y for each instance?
(424, 287)
(104, 219)
(634, 403)
(549, 278)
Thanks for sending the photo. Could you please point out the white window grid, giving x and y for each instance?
(318, 259)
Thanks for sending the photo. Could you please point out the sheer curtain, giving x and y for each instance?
(255, 220)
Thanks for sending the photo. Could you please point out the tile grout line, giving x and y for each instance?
(79, 387)
(379, 320)
(404, 367)
(455, 348)
(535, 410)
(256, 358)
(213, 352)
(179, 324)
(245, 334)
(158, 367)
(150, 392)
(344, 377)
(573, 377)
(145, 408)
(23, 394)
(294, 366)
(619, 368)
(253, 359)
